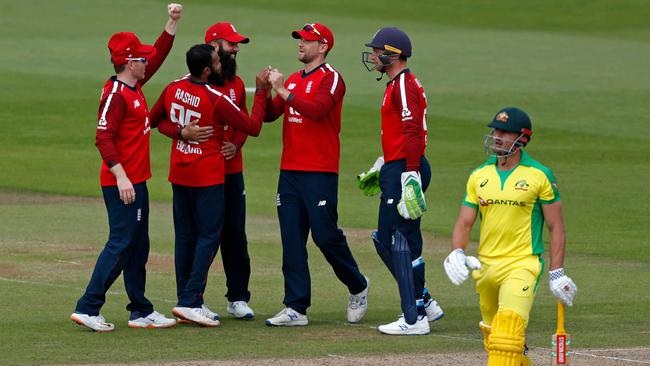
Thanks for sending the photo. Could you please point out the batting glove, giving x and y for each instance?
(457, 266)
(412, 204)
(369, 181)
(562, 287)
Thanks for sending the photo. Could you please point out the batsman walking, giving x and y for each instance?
(514, 195)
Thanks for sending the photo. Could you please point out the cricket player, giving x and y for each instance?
(234, 246)
(122, 137)
(307, 198)
(404, 175)
(197, 173)
(514, 195)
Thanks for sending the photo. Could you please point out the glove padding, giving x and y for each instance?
(412, 204)
(369, 180)
(562, 287)
(457, 264)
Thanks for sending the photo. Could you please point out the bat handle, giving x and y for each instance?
(560, 318)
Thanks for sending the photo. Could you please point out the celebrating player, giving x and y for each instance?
(514, 194)
(122, 138)
(307, 197)
(404, 176)
(197, 173)
(234, 246)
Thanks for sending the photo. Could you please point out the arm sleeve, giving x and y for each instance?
(226, 112)
(274, 109)
(112, 114)
(163, 45)
(406, 99)
(471, 199)
(330, 91)
(239, 138)
(548, 191)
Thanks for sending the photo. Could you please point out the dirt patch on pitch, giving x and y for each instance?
(540, 356)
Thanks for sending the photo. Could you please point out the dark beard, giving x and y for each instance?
(228, 70)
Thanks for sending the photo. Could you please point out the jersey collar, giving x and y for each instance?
(305, 74)
(396, 76)
(526, 160)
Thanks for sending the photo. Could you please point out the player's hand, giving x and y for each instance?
(125, 187)
(457, 266)
(412, 204)
(228, 150)
(262, 78)
(369, 180)
(194, 132)
(562, 287)
(174, 10)
(276, 79)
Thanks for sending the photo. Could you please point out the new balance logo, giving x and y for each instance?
(389, 201)
(403, 327)
(322, 203)
(292, 316)
(136, 103)
(277, 200)
(139, 214)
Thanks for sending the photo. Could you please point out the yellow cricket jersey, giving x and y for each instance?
(509, 204)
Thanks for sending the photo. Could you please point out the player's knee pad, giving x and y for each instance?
(485, 329)
(507, 338)
(399, 243)
(403, 271)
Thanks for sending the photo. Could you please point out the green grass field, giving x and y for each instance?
(579, 68)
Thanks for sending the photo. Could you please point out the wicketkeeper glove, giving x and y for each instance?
(369, 181)
(457, 266)
(562, 286)
(412, 204)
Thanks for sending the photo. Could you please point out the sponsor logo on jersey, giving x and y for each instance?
(233, 96)
(522, 185)
(490, 201)
(483, 183)
(308, 89)
(291, 86)
(136, 103)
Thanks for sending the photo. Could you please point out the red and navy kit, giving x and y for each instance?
(236, 91)
(312, 120)
(123, 127)
(196, 164)
(307, 197)
(404, 120)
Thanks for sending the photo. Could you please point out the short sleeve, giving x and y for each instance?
(548, 192)
(471, 199)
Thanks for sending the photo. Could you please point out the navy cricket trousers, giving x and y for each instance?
(126, 251)
(234, 246)
(308, 200)
(198, 222)
(390, 220)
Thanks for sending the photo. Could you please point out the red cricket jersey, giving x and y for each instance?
(404, 120)
(236, 91)
(312, 120)
(196, 164)
(122, 135)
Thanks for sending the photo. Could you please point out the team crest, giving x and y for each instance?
(522, 185)
(136, 103)
(502, 117)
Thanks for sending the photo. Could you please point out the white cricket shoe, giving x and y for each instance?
(201, 316)
(401, 327)
(358, 305)
(287, 318)
(434, 311)
(240, 310)
(96, 323)
(153, 320)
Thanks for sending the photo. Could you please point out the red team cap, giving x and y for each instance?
(226, 31)
(315, 32)
(126, 45)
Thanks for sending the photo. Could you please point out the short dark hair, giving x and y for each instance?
(198, 57)
(118, 68)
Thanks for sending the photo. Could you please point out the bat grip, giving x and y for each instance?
(560, 319)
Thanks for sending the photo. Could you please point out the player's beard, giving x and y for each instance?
(228, 69)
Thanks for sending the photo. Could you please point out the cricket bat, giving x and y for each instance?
(561, 341)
